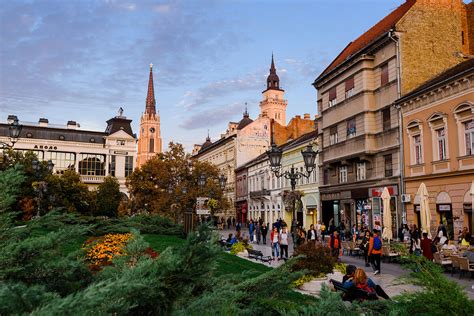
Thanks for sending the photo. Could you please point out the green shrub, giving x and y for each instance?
(314, 258)
(239, 247)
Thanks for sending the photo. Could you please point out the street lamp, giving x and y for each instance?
(309, 157)
(42, 186)
(202, 180)
(14, 130)
(222, 181)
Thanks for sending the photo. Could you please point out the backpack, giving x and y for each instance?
(377, 243)
(336, 243)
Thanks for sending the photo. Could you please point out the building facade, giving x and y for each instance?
(93, 154)
(149, 142)
(359, 127)
(247, 139)
(438, 127)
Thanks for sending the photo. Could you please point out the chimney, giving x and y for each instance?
(43, 122)
(307, 116)
(72, 124)
(298, 116)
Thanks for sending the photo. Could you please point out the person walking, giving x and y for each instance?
(375, 251)
(312, 234)
(251, 229)
(323, 232)
(275, 242)
(335, 244)
(416, 246)
(365, 247)
(264, 233)
(258, 232)
(228, 222)
(233, 221)
(284, 244)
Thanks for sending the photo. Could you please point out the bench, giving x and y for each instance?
(355, 294)
(258, 255)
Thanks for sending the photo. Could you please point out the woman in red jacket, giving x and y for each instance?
(426, 247)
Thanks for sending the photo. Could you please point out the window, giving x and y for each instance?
(332, 96)
(342, 174)
(112, 165)
(361, 171)
(121, 142)
(326, 176)
(351, 128)
(333, 135)
(384, 75)
(418, 150)
(469, 137)
(386, 119)
(151, 149)
(441, 135)
(128, 165)
(92, 164)
(61, 160)
(388, 165)
(349, 87)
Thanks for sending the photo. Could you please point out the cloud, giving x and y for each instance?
(221, 88)
(162, 8)
(218, 114)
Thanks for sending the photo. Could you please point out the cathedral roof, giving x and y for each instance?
(246, 120)
(273, 81)
(150, 97)
(206, 144)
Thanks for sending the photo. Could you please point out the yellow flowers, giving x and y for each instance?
(100, 251)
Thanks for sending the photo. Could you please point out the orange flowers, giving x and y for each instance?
(101, 251)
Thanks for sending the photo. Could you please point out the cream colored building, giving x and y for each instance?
(359, 127)
(247, 139)
(93, 154)
(438, 128)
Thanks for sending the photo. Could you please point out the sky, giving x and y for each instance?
(81, 60)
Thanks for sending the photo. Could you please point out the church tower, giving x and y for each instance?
(149, 142)
(273, 104)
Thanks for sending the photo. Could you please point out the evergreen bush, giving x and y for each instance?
(314, 258)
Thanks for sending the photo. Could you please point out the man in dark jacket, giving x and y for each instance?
(264, 233)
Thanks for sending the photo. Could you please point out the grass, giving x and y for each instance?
(227, 263)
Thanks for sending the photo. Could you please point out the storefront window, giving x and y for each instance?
(92, 164)
(61, 160)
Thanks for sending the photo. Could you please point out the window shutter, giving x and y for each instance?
(332, 93)
(349, 83)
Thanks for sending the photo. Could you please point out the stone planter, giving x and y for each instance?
(314, 286)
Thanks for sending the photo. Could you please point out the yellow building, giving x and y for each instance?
(438, 129)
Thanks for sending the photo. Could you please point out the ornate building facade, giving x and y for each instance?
(149, 141)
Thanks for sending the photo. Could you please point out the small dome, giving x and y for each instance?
(246, 120)
(206, 144)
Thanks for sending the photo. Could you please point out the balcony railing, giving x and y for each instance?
(259, 194)
(92, 179)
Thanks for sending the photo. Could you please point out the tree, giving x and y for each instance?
(68, 191)
(11, 181)
(108, 197)
(158, 186)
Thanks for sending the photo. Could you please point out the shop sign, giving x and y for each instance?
(444, 207)
(120, 152)
(467, 207)
(45, 147)
(330, 196)
(201, 206)
(377, 192)
(417, 208)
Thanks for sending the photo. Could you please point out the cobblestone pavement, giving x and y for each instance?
(387, 279)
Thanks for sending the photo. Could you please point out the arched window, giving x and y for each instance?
(464, 114)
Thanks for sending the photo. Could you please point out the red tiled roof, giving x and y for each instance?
(372, 34)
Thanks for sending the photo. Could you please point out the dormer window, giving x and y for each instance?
(121, 142)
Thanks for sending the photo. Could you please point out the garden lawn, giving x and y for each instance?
(227, 263)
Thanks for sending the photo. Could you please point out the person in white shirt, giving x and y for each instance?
(312, 236)
(284, 244)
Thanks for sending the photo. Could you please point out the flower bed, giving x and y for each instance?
(100, 251)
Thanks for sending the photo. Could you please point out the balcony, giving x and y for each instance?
(363, 144)
(261, 194)
(92, 179)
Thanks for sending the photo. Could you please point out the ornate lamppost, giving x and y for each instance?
(14, 130)
(41, 186)
(309, 157)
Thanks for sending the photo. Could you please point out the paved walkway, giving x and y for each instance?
(388, 279)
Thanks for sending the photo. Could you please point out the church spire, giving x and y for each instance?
(273, 81)
(150, 98)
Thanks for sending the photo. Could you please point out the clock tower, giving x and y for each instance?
(273, 103)
(149, 141)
